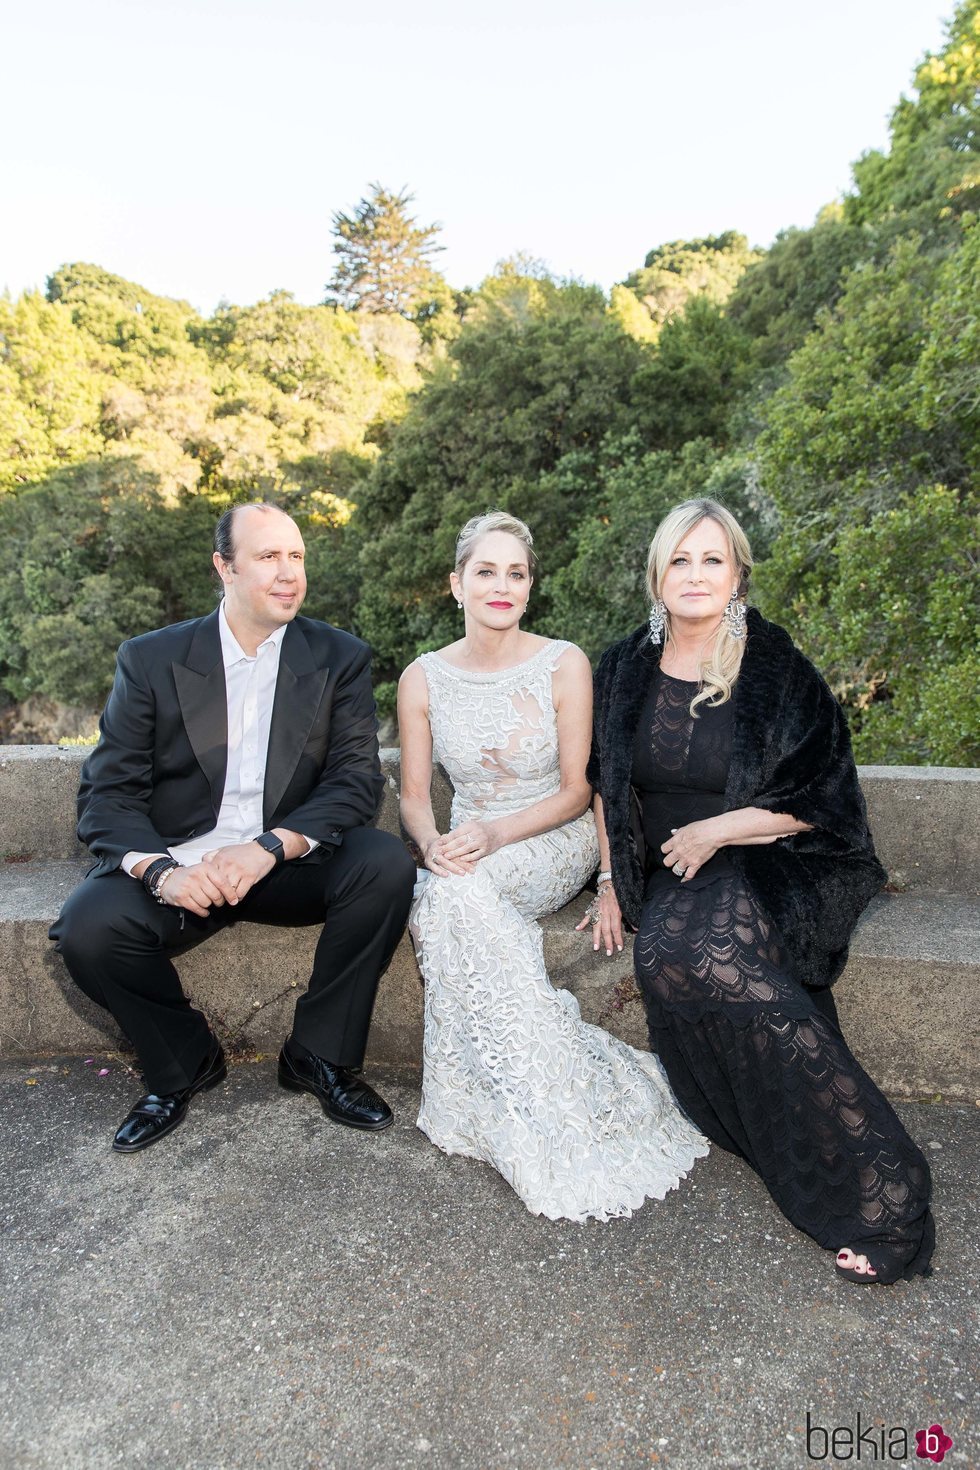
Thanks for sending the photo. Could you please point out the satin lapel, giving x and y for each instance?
(299, 690)
(204, 704)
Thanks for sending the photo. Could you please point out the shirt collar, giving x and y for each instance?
(232, 651)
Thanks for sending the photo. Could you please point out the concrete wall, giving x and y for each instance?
(925, 819)
(908, 998)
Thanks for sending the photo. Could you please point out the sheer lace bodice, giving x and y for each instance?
(680, 771)
(495, 734)
(579, 1124)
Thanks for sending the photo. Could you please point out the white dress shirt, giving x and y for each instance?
(250, 687)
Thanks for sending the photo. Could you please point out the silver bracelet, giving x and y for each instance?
(162, 882)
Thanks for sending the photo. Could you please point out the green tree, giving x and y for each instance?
(778, 299)
(626, 308)
(875, 569)
(384, 257)
(50, 390)
(304, 370)
(675, 273)
(897, 629)
(140, 334)
(867, 413)
(931, 171)
(97, 554)
(692, 380)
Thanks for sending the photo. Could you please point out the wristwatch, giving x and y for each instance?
(272, 844)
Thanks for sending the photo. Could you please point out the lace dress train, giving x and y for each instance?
(579, 1124)
(761, 1066)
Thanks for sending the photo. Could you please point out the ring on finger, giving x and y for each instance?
(678, 870)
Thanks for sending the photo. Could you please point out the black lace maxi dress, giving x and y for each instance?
(757, 1061)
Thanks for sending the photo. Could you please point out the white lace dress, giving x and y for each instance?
(579, 1124)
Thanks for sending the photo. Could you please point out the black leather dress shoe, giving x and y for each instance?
(341, 1095)
(158, 1114)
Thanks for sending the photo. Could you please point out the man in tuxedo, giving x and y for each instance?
(234, 779)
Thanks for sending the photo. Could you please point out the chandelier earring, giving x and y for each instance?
(735, 616)
(658, 619)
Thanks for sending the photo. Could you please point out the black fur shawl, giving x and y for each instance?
(791, 752)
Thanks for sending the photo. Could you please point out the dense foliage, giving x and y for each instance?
(827, 389)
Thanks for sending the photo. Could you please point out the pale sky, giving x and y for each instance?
(199, 147)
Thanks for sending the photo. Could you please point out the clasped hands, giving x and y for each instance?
(223, 876)
(458, 852)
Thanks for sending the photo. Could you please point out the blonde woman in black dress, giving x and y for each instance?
(729, 813)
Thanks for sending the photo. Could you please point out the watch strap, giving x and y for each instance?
(273, 845)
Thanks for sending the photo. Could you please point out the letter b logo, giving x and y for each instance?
(814, 1449)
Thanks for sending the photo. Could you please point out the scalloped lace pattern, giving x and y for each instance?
(764, 1074)
(579, 1124)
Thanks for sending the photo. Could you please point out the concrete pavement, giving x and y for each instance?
(267, 1289)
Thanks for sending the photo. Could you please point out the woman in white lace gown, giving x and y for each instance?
(579, 1124)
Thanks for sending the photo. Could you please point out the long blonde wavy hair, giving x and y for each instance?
(719, 670)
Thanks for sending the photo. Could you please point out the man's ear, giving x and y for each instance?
(222, 567)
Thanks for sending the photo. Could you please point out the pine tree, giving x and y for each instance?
(383, 256)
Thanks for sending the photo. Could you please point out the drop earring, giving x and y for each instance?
(658, 619)
(735, 616)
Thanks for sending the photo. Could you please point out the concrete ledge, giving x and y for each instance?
(908, 997)
(38, 787)
(926, 825)
(925, 818)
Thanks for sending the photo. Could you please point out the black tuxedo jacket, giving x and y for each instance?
(157, 775)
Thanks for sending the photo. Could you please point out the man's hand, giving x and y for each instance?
(196, 890)
(238, 868)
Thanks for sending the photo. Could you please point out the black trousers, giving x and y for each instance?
(118, 944)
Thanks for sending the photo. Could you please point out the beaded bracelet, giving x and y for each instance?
(154, 874)
(163, 881)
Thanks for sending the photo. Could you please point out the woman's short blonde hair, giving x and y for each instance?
(493, 520)
(719, 669)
